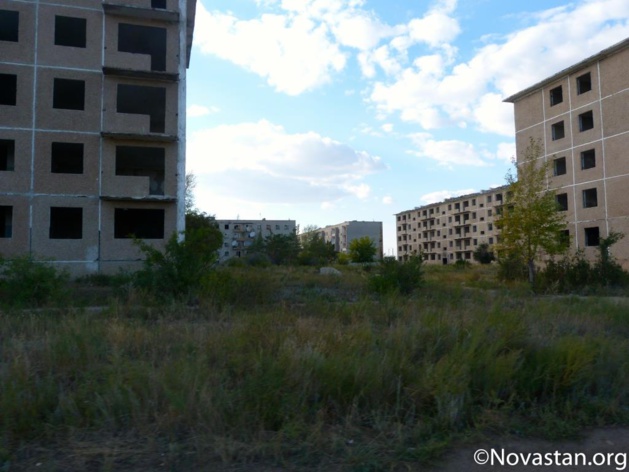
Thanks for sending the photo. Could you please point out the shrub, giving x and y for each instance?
(177, 271)
(25, 282)
(484, 254)
(392, 276)
(511, 268)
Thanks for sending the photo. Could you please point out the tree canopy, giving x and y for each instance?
(530, 224)
(362, 249)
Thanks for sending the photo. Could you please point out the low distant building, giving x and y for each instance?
(239, 235)
(342, 234)
(450, 230)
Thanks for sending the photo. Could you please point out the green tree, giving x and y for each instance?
(281, 249)
(362, 249)
(530, 224)
(484, 254)
(314, 250)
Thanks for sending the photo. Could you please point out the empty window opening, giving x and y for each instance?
(9, 25)
(590, 198)
(586, 121)
(158, 4)
(149, 40)
(556, 96)
(562, 201)
(588, 159)
(142, 161)
(8, 89)
(592, 236)
(584, 83)
(143, 100)
(558, 131)
(66, 158)
(559, 166)
(70, 31)
(141, 223)
(6, 221)
(66, 223)
(69, 94)
(7, 154)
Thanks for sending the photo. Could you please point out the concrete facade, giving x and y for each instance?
(239, 235)
(92, 128)
(341, 235)
(581, 116)
(448, 231)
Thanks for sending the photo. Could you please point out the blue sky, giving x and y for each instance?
(324, 111)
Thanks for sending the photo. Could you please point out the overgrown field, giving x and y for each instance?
(292, 369)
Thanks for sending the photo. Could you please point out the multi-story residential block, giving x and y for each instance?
(92, 127)
(239, 235)
(341, 235)
(581, 116)
(451, 230)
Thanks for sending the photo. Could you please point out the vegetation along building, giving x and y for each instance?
(341, 235)
(451, 230)
(92, 127)
(239, 235)
(581, 117)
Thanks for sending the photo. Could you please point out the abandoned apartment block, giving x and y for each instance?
(92, 128)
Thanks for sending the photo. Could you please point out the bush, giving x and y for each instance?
(484, 254)
(512, 268)
(392, 276)
(25, 282)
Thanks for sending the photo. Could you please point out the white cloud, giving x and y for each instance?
(454, 153)
(195, 111)
(262, 162)
(442, 195)
(293, 53)
(387, 127)
(435, 92)
(387, 200)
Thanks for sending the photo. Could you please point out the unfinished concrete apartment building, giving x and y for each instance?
(581, 116)
(451, 230)
(239, 235)
(92, 127)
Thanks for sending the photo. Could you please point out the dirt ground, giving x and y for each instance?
(603, 449)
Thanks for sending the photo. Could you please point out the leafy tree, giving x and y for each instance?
(484, 254)
(314, 250)
(393, 276)
(190, 185)
(362, 249)
(279, 249)
(530, 224)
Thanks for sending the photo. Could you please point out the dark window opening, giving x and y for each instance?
(592, 236)
(9, 25)
(70, 31)
(158, 4)
(498, 197)
(562, 201)
(586, 121)
(6, 221)
(559, 166)
(8, 89)
(7, 154)
(142, 161)
(149, 40)
(143, 100)
(139, 223)
(584, 83)
(66, 158)
(590, 198)
(69, 94)
(558, 131)
(588, 159)
(556, 96)
(66, 223)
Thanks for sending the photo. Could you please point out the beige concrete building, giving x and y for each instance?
(451, 230)
(341, 235)
(92, 127)
(239, 235)
(581, 116)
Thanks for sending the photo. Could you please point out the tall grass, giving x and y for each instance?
(367, 385)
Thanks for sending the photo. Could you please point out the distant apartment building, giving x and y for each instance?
(239, 235)
(581, 116)
(341, 235)
(92, 127)
(451, 230)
